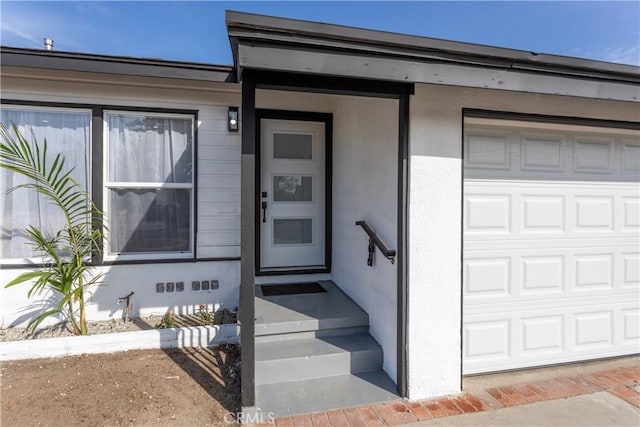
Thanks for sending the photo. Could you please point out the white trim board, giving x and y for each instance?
(197, 336)
(512, 79)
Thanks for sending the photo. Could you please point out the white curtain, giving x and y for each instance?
(66, 132)
(150, 150)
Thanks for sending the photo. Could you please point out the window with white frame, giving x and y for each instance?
(148, 185)
(66, 131)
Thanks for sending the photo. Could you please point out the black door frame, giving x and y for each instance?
(302, 116)
(260, 79)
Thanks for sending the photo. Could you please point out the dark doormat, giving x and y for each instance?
(292, 289)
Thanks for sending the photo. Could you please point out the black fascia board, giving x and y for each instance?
(263, 28)
(122, 65)
(314, 83)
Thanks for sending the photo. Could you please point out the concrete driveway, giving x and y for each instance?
(595, 409)
(601, 393)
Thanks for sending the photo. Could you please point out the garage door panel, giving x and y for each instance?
(554, 272)
(488, 340)
(542, 213)
(630, 158)
(488, 213)
(631, 326)
(488, 277)
(592, 329)
(488, 150)
(551, 269)
(630, 213)
(542, 153)
(630, 269)
(542, 274)
(593, 271)
(528, 210)
(593, 155)
(519, 338)
(542, 334)
(593, 213)
(517, 152)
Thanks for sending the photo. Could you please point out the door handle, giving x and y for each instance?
(264, 211)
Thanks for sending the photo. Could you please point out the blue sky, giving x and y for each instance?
(195, 31)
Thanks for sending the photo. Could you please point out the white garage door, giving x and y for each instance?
(551, 244)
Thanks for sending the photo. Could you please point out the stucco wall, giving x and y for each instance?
(435, 217)
(365, 146)
(218, 191)
(365, 188)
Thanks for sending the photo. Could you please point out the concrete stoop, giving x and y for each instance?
(313, 352)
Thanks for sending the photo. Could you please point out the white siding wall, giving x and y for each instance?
(218, 185)
(119, 280)
(218, 191)
(435, 215)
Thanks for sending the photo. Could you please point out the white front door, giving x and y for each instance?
(292, 194)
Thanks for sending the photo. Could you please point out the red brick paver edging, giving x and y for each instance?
(621, 382)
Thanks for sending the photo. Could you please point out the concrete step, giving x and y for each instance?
(313, 352)
(321, 333)
(284, 314)
(302, 359)
(321, 394)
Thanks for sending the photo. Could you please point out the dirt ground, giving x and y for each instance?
(173, 387)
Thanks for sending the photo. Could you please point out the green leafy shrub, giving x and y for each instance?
(205, 316)
(168, 321)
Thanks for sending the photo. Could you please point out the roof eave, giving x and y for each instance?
(283, 30)
(122, 65)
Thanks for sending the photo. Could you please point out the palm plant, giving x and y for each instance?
(66, 252)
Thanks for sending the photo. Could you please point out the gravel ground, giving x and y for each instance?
(95, 328)
(113, 326)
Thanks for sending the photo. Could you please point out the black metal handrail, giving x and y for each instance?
(374, 241)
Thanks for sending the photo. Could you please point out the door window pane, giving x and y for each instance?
(292, 188)
(292, 146)
(292, 231)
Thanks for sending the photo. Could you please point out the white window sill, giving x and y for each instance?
(147, 257)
